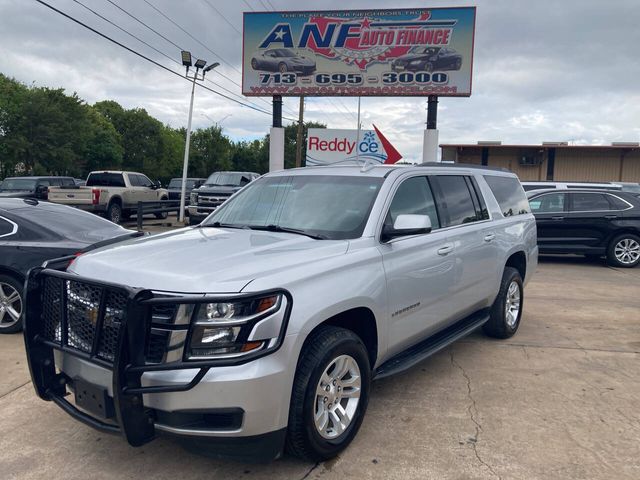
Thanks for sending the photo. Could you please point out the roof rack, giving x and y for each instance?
(464, 165)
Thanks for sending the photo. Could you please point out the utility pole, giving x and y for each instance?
(300, 132)
(430, 142)
(358, 133)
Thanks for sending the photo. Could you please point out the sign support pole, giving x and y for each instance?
(276, 137)
(300, 132)
(430, 143)
(358, 134)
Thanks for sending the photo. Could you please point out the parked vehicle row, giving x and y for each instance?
(114, 194)
(32, 187)
(32, 232)
(308, 284)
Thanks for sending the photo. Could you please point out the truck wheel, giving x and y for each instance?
(11, 304)
(330, 394)
(114, 213)
(162, 215)
(624, 251)
(506, 312)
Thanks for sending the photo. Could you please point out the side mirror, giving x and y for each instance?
(157, 185)
(406, 225)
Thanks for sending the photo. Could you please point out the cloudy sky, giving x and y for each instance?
(543, 71)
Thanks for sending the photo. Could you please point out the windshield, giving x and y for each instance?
(429, 51)
(331, 207)
(18, 184)
(177, 183)
(285, 52)
(224, 179)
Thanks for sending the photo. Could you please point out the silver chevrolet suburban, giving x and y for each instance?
(308, 285)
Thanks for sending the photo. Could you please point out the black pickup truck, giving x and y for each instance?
(215, 191)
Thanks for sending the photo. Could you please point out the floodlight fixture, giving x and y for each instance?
(200, 63)
(211, 67)
(186, 59)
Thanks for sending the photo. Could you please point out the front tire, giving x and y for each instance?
(506, 312)
(11, 304)
(330, 394)
(624, 251)
(282, 68)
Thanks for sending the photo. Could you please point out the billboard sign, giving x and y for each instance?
(331, 145)
(400, 52)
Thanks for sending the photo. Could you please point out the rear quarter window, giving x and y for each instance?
(509, 194)
(105, 180)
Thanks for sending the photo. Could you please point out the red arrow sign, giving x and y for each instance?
(392, 154)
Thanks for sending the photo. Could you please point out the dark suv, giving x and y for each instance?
(37, 187)
(175, 187)
(589, 222)
(215, 191)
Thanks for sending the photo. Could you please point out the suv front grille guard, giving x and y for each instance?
(106, 324)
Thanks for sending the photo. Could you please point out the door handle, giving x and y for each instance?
(610, 217)
(446, 250)
(557, 218)
(489, 237)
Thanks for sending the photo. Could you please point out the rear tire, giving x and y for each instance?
(114, 213)
(282, 68)
(506, 312)
(11, 304)
(333, 360)
(624, 251)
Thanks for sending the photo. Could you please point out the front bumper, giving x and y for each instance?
(195, 400)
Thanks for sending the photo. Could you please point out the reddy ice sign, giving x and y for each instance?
(330, 145)
(359, 52)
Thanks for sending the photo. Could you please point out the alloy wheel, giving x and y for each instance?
(337, 397)
(627, 251)
(512, 304)
(10, 305)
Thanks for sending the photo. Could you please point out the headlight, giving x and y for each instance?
(415, 62)
(236, 328)
(194, 197)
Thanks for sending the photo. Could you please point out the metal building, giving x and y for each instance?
(557, 161)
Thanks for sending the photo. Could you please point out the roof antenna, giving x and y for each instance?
(368, 165)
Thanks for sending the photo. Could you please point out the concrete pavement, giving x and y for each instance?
(560, 400)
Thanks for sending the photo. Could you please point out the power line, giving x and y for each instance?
(164, 37)
(194, 38)
(266, 7)
(223, 17)
(271, 5)
(249, 5)
(141, 22)
(154, 48)
(131, 50)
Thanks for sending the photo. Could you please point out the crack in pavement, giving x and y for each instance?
(14, 389)
(473, 412)
(306, 475)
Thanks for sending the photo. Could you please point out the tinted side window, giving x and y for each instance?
(454, 200)
(509, 194)
(145, 182)
(616, 203)
(548, 203)
(413, 197)
(105, 180)
(589, 202)
(68, 182)
(6, 228)
(56, 182)
(134, 181)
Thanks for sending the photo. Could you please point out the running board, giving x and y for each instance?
(417, 353)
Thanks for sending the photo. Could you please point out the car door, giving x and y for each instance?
(473, 237)
(419, 269)
(550, 210)
(589, 220)
(148, 188)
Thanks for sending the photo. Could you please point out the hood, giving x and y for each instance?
(302, 61)
(216, 189)
(203, 260)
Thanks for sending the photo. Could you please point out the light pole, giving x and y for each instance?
(200, 64)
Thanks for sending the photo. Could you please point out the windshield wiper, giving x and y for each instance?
(222, 225)
(278, 228)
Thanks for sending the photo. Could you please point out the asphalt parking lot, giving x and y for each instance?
(559, 400)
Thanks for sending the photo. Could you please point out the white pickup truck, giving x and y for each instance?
(114, 194)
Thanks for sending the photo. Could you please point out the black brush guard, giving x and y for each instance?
(125, 357)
